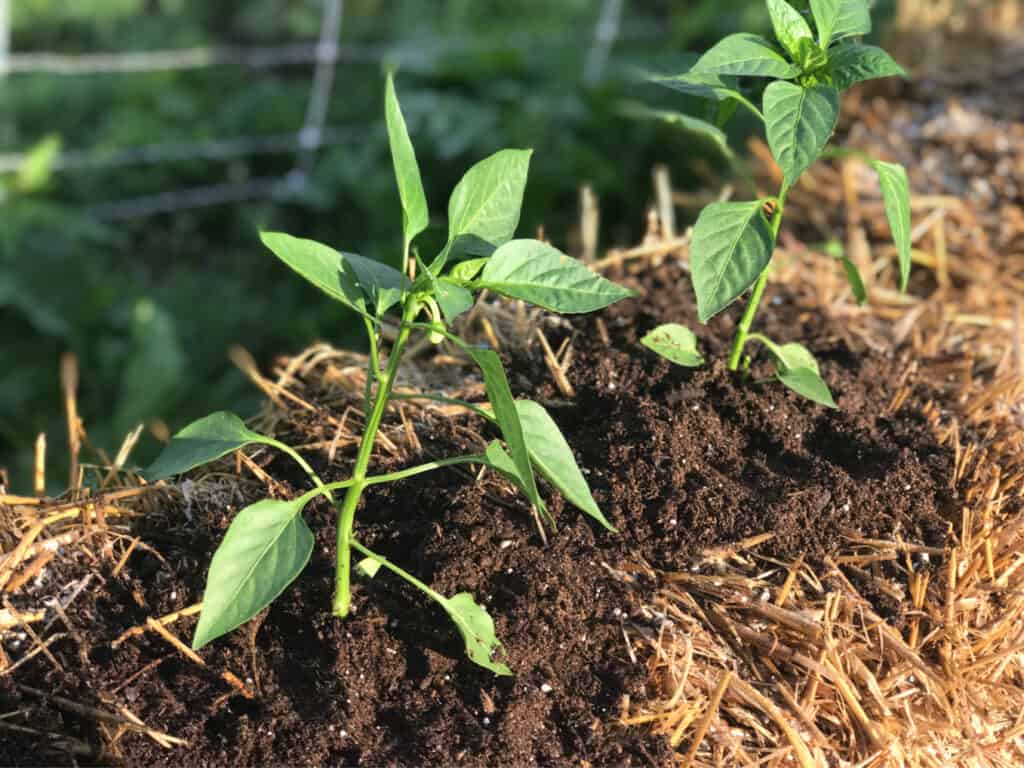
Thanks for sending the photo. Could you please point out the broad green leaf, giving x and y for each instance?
(807, 383)
(799, 124)
(507, 416)
(798, 370)
(467, 270)
(853, 17)
(321, 265)
(732, 244)
(554, 458)
(676, 343)
(854, 279)
(477, 630)
(201, 442)
(892, 177)
(264, 550)
(826, 14)
(853, 63)
(790, 27)
(542, 275)
(687, 123)
(415, 216)
(484, 208)
(346, 277)
(381, 284)
(745, 54)
(452, 298)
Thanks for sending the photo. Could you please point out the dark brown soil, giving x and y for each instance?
(679, 460)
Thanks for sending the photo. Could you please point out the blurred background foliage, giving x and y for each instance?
(150, 305)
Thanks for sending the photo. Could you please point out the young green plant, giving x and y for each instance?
(816, 59)
(268, 543)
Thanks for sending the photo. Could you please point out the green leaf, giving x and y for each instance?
(892, 178)
(507, 416)
(201, 442)
(676, 343)
(497, 458)
(790, 27)
(704, 85)
(415, 216)
(484, 208)
(798, 370)
(264, 550)
(688, 123)
(826, 14)
(477, 630)
(542, 275)
(853, 63)
(467, 270)
(732, 244)
(452, 298)
(380, 283)
(346, 277)
(36, 169)
(799, 123)
(368, 567)
(853, 17)
(320, 264)
(854, 279)
(554, 459)
(745, 54)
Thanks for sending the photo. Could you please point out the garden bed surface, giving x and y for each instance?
(681, 461)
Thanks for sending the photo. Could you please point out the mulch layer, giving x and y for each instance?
(681, 461)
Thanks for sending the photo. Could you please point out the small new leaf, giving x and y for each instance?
(264, 550)
(853, 63)
(201, 442)
(542, 275)
(484, 208)
(799, 123)
(380, 283)
(477, 629)
(732, 244)
(790, 27)
(892, 177)
(676, 343)
(415, 216)
(467, 270)
(796, 367)
(745, 54)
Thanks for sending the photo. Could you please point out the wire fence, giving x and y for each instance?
(325, 55)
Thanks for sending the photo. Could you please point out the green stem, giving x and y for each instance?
(396, 570)
(743, 331)
(347, 512)
(402, 474)
(305, 467)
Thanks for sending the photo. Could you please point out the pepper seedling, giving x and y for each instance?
(733, 242)
(268, 543)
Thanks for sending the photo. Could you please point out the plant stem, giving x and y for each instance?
(397, 570)
(743, 331)
(347, 512)
(402, 474)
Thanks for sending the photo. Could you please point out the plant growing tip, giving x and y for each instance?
(268, 543)
(733, 242)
